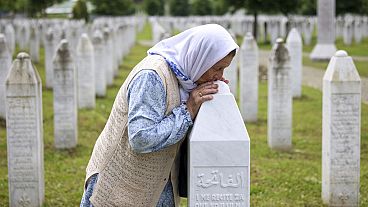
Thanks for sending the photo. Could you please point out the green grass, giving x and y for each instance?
(277, 178)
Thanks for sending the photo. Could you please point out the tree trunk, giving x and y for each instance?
(255, 27)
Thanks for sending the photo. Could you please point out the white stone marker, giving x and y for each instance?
(219, 158)
(100, 67)
(325, 47)
(86, 73)
(249, 79)
(279, 98)
(10, 37)
(108, 57)
(34, 44)
(5, 63)
(341, 132)
(24, 134)
(49, 54)
(295, 48)
(231, 73)
(65, 97)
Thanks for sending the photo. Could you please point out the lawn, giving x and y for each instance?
(277, 179)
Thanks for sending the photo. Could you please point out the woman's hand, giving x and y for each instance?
(225, 80)
(199, 95)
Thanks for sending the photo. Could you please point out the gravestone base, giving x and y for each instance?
(323, 52)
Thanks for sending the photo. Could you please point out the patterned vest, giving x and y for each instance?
(127, 178)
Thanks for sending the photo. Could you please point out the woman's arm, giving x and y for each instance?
(149, 130)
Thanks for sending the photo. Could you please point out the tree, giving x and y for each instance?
(113, 7)
(154, 7)
(202, 7)
(220, 7)
(179, 7)
(80, 10)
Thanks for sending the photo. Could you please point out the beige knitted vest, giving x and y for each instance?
(127, 178)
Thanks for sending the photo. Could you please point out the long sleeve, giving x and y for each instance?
(149, 130)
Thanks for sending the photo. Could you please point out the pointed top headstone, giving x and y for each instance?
(4, 49)
(294, 36)
(341, 68)
(63, 52)
(279, 52)
(84, 44)
(22, 71)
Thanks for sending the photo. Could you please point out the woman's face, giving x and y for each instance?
(216, 71)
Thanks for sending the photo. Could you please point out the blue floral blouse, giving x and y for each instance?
(149, 130)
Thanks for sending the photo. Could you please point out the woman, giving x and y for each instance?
(134, 160)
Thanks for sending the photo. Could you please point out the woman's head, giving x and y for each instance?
(195, 51)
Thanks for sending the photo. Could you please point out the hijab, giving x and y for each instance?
(192, 52)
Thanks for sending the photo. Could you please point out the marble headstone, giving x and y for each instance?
(65, 97)
(279, 119)
(325, 47)
(49, 54)
(10, 37)
(5, 63)
(108, 57)
(295, 47)
(341, 132)
(24, 134)
(231, 73)
(219, 158)
(34, 44)
(249, 79)
(86, 73)
(100, 70)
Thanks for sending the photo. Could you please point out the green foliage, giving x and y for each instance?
(113, 7)
(32, 8)
(202, 7)
(220, 7)
(154, 7)
(80, 10)
(179, 7)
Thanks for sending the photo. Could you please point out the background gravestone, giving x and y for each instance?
(249, 78)
(295, 47)
(108, 57)
(49, 53)
(279, 119)
(34, 44)
(10, 37)
(24, 134)
(100, 66)
(65, 98)
(5, 63)
(86, 73)
(325, 47)
(219, 158)
(341, 132)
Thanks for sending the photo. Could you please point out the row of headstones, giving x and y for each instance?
(213, 183)
(23, 89)
(108, 36)
(272, 27)
(351, 27)
(341, 117)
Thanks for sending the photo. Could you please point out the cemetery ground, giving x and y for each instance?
(277, 178)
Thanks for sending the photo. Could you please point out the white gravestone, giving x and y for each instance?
(108, 57)
(279, 98)
(100, 70)
(219, 158)
(49, 54)
(86, 73)
(249, 79)
(231, 73)
(34, 44)
(348, 33)
(5, 63)
(341, 132)
(65, 98)
(24, 134)
(325, 47)
(295, 47)
(10, 37)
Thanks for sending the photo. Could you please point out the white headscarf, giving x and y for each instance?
(192, 52)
